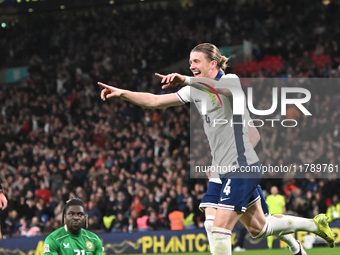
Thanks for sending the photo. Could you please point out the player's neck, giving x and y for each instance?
(73, 232)
(76, 233)
(213, 74)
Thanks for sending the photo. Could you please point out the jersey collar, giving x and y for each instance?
(219, 75)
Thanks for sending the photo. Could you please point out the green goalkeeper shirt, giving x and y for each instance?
(63, 242)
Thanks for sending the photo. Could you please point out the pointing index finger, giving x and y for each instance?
(159, 75)
(103, 85)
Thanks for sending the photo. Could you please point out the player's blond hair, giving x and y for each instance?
(212, 53)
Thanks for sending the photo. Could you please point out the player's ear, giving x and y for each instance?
(213, 64)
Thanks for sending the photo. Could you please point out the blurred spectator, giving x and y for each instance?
(276, 205)
(172, 201)
(142, 221)
(94, 223)
(109, 220)
(190, 215)
(120, 223)
(23, 227)
(182, 198)
(164, 214)
(136, 205)
(132, 225)
(122, 203)
(151, 203)
(51, 225)
(176, 220)
(72, 143)
(35, 227)
(154, 223)
(32, 209)
(94, 215)
(333, 211)
(11, 223)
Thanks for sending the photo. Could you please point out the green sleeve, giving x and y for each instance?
(51, 247)
(99, 247)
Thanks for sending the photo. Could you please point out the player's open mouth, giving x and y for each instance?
(196, 73)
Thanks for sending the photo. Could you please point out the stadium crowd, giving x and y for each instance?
(130, 165)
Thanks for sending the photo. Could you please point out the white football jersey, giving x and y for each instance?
(227, 133)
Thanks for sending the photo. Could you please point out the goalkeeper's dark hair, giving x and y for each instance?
(74, 201)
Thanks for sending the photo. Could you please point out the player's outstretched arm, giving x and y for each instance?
(142, 99)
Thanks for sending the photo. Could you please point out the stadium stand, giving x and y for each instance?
(129, 165)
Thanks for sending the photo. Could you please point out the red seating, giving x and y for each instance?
(321, 60)
(269, 63)
(274, 64)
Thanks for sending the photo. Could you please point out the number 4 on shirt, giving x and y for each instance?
(227, 188)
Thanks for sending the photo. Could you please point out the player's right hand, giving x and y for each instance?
(109, 91)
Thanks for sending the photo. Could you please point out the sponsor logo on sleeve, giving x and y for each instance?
(46, 248)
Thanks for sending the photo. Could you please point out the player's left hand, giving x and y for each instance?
(171, 80)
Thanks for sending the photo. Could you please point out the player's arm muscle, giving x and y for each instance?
(149, 100)
(142, 99)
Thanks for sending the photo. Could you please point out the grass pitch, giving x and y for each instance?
(314, 251)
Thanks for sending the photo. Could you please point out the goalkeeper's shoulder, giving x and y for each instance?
(90, 234)
(56, 234)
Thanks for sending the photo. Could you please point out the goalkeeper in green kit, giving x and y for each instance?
(72, 239)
